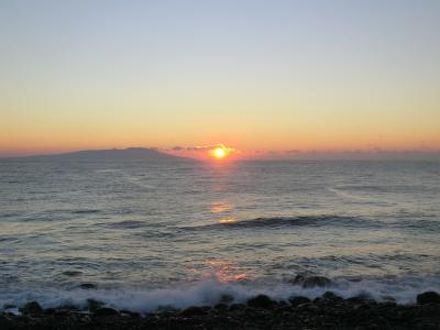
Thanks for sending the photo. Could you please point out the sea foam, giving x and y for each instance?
(211, 291)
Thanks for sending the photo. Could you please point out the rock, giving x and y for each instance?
(221, 307)
(237, 307)
(166, 309)
(6, 323)
(67, 307)
(361, 299)
(295, 301)
(389, 299)
(130, 314)
(226, 299)
(93, 305)
(304, 316)
(50, 311)
(88, 286)
(330, 296)
(311, 281)
(261, 301)
(310, 307)
(429, 297)
(106, 311)
(31, 308)
(195, 310)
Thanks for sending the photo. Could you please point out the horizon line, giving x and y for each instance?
(256, 154)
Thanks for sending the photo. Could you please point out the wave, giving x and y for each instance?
(90, 211)
(275, 222)
(211, 291)
(319, 221)
(126, 224)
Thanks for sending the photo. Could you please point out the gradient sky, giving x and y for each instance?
(254, 75)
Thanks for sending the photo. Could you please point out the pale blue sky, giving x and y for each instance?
(177, 66)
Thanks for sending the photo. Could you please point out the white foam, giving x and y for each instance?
(209, 292)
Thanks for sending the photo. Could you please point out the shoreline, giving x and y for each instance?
(328, 311)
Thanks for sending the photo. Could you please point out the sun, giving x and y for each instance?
(219, 153)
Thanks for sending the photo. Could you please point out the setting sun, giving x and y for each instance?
(219, 153)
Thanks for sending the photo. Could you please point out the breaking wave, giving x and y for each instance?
(212, 291)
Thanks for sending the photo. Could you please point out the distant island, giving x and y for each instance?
(149, 154)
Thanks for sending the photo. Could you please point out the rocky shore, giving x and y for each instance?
(326, 312)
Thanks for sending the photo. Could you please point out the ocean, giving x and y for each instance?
(141, 235)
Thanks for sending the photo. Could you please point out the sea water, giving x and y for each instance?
(178, 233)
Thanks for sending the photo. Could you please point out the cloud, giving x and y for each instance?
(205, 148)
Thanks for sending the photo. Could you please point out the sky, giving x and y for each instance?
(256, 76)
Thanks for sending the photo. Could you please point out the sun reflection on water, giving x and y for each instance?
(227, 220)
(220, 207)
(226, 271)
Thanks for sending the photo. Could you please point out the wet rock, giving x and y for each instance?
(166, 309)
(331, 297)
(281, 304)
(226, 299)
(130, 314)
(50, 311)
(307, 315)
(261, 301)
(106, 311)
(93, 305)
(311, 281)
(295, 301)
(310, 307)
(429, 297)
(68, 308)
(31, 308)
(389, 299)
(361, 299)
(221, 307)
(195, 310)
(88, 286)
(6, 323)
(237, 307)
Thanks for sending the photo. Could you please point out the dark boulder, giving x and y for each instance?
(389, 299)
(31, 308)
(237, 307)
(6, 323)
(105, 311)
(226, 299)
(429, 297)
(194, 311)
(330, 296)
(130, 314)
(67, 307)
(261, 301)
(361, 299)
(296, 301)
(93, 305)
(221, 307)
